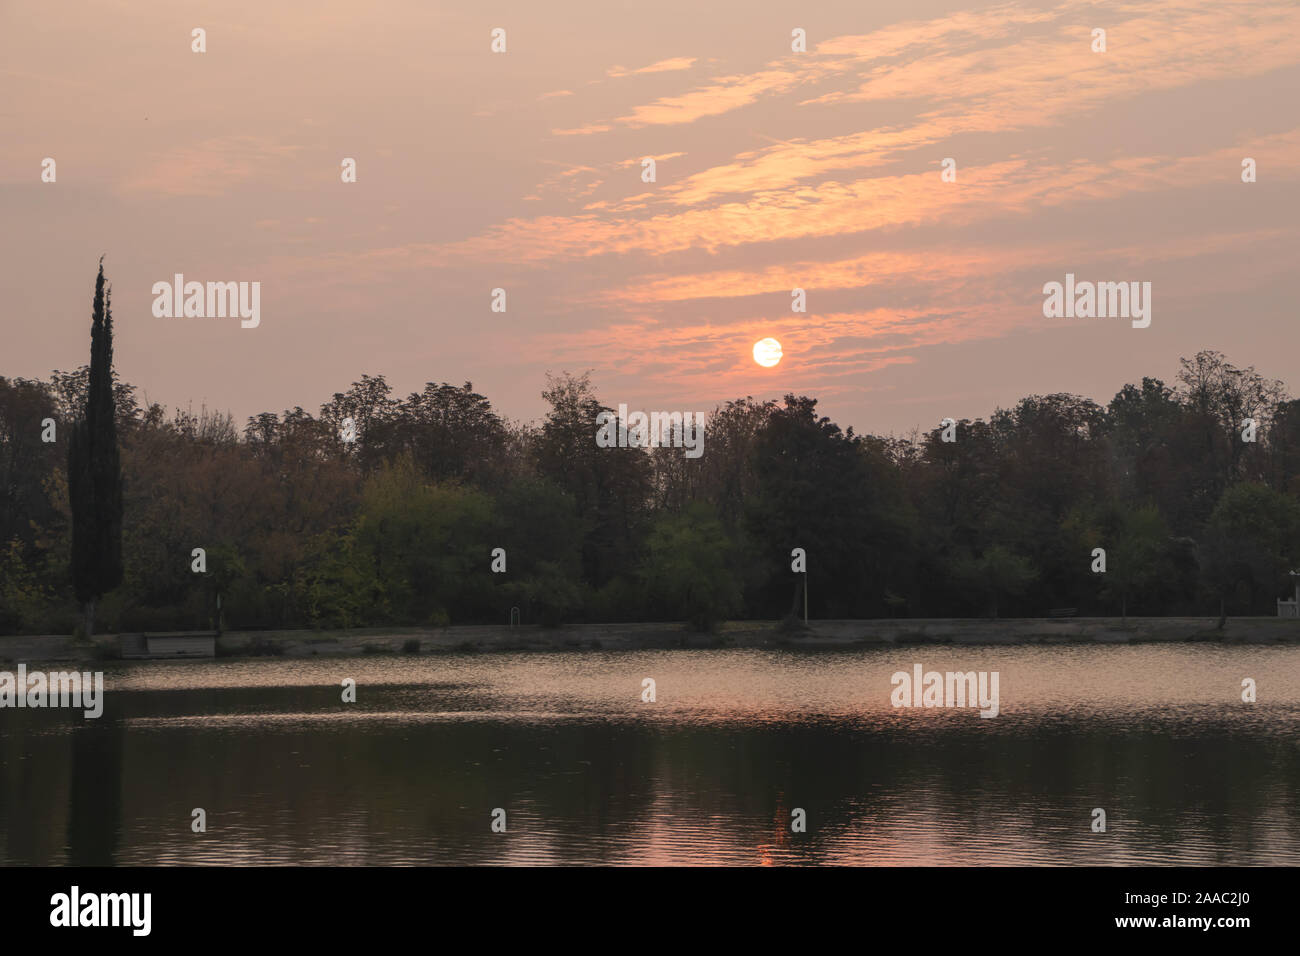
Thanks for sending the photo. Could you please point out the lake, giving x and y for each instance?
(709, 773)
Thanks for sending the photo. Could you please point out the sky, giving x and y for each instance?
(774, 170)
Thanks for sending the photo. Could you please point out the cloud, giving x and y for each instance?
(1034, 81)
(835, 208)
(582, 130)
(927, 297)
(663, 66)
(1034, 69)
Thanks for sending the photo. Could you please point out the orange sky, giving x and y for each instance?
(775, 169)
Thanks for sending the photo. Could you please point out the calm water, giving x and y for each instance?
(708, 774)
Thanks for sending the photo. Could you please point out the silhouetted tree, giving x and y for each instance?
(95, 471)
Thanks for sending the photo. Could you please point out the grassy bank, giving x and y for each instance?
(614, 637)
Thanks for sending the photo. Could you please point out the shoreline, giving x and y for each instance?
(820, 635)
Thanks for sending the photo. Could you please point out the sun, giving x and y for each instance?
(767, 352)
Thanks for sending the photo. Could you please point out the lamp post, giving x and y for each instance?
(805, 597)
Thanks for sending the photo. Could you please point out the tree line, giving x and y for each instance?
(397, 527)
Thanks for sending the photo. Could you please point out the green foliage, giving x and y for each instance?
(823, 490)
(547, 595)
(610, 487)
(1252, 542)
(996, 575)
(688, 568)
(338, 585)
(1140, 564)
(398, 528)
(22, 596)
(537, 521)
(429, 543)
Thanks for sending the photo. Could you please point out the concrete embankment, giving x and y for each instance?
(819, 635)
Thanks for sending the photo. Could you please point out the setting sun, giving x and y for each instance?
(767, 352)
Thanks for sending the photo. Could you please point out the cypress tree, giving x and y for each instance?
(95, 471)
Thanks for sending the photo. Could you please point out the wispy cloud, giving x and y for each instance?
(834, 208)
(663, 66)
